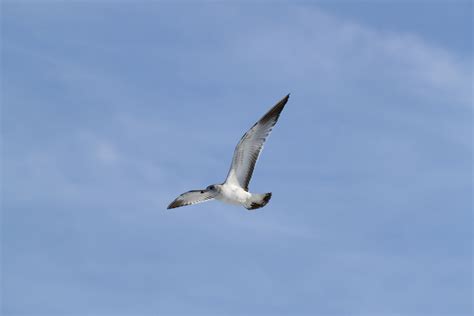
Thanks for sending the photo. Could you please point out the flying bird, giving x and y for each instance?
(235, 189)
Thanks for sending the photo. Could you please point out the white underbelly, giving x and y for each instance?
(233, 195)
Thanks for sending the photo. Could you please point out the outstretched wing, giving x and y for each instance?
(192, 197)
(251, 144)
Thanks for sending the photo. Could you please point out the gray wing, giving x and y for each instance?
(192, 197)
(251, 144)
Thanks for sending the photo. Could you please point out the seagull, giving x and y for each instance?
(235, 189)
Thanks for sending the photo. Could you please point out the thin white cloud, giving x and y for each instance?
(107, 153)
(319, 49)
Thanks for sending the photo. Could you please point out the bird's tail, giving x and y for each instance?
(258, 201)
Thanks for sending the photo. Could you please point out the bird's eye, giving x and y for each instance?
(211, 187)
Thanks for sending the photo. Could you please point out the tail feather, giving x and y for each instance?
(258, 201)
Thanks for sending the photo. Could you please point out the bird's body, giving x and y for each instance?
(232, 194)
(235, 188)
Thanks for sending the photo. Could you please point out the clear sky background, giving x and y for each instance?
(111, 109)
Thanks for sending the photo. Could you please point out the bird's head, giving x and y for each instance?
(213, 188)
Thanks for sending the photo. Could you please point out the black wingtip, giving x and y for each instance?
(173, 204)
(285, 99)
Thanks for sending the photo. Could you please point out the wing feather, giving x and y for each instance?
(248, 149)
(192, 197)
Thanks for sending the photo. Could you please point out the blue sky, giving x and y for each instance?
(112, 109)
